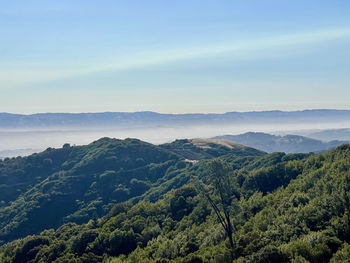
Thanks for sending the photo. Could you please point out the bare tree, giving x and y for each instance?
(220, 177)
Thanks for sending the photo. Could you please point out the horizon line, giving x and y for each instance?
(174, 113)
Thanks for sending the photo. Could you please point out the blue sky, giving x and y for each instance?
(174, 56)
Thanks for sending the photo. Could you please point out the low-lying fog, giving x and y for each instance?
(24, 142)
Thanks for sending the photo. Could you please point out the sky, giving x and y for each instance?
(174, 56)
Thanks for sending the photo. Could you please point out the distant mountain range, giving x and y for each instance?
(49, 120)
(288, 144)
(330, 134)
(43, 130)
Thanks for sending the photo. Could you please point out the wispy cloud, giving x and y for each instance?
(236, 49)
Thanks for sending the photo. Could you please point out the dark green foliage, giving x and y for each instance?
(268, 179)
(81, 242)
(181, 203)
(72, 184)
(268, 254)
(30, 247)
(122, 242)
(285, 208)
(342, 255)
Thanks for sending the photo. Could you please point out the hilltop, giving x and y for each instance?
(288, 143)
(73, 183)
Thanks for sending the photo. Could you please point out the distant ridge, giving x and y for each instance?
(288, 144)
(197, 149)
(50, 120)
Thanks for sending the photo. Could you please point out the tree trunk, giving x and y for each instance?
(229, 233)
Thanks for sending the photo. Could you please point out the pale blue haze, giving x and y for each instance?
(174, 56)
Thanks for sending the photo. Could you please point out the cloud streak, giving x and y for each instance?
(10, 78)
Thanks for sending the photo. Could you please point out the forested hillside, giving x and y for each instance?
(73, 184)
(282, 207)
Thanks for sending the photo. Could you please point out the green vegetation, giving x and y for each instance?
(73, 184)
(281, 208)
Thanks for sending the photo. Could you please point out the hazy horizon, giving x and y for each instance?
(37, 140)
(179, 113)
(183, 57)
(38, 132)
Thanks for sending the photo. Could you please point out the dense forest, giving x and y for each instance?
(73, 184)
(131, 201)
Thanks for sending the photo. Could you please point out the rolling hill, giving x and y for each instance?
(73, 183)
(288, 143)
(289, 208)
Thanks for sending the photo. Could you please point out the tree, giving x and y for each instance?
(220, 178)
(342, 255)
(122, 242)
